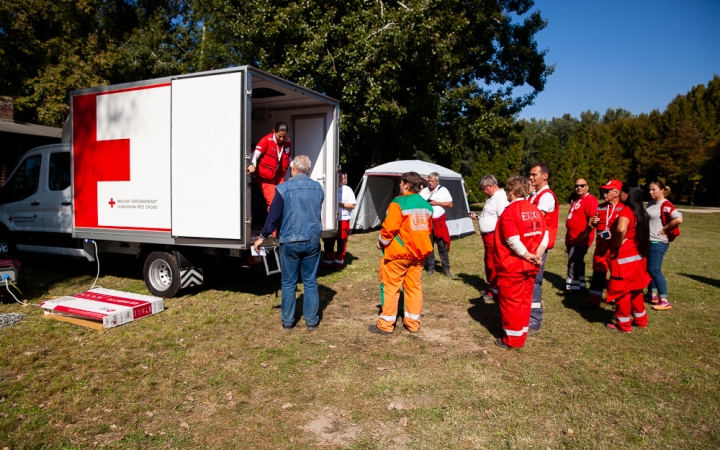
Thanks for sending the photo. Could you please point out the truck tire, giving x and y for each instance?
(161, 274)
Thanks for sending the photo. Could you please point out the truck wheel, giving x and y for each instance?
(161, 274)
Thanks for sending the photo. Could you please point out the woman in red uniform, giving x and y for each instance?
(628, 273)
(521, 238)
(270, 161)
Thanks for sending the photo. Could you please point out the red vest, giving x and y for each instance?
(269, 166)
(551, 218)
(520, 218)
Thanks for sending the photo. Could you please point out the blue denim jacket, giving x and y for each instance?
(301, 220)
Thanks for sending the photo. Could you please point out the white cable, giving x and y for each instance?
(7, 286)
(98, 265)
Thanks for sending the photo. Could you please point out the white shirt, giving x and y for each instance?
(494, 206)
(547, 202)
(345, 195)
(441, 195)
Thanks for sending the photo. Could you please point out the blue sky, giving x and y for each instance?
(633, 54)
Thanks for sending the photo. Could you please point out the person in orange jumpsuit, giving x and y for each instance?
(270, 161)
(628, 265)
(405, 243)
(520, 240)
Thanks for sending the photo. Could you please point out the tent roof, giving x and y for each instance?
(421, 167)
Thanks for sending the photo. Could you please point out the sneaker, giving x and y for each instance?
(488, 296)
(614, 327)
(374, 329)
(312, 327)
(287, 328)
(411, 331)
(533, 331)
(430, 272)
(499, 342)
(662, 305)
(448, 274)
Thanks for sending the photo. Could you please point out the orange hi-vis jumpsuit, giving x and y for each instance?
(405, 237)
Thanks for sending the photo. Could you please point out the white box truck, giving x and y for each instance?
(157, 169)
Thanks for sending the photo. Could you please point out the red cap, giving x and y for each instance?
(612, 184)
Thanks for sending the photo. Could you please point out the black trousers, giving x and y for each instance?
(444, 258)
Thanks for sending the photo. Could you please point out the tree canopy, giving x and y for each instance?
(428, 79)
(679, 146)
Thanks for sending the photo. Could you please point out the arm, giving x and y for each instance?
(519, 248)
(273, 220)
(346, 205)
(253, 162)
(618, 236)
(391, 225)
(543, 245)
(443, 204)
(671, 226)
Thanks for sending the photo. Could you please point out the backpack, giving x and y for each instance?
(665, 218)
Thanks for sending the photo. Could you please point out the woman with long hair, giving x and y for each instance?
(628, 274)
(664, 219)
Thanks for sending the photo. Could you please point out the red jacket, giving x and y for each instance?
(270, 166)
(551, 218)
(520, 218)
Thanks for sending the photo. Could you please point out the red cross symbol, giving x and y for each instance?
(111, 203)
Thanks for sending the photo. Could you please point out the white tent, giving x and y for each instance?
(380, 185)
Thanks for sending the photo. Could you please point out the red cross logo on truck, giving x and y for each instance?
(111, 203)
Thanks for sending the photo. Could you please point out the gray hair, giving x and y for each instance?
(302, 164)
(434, 175)
(488, 180)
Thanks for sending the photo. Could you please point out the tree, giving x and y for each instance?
(412, 76)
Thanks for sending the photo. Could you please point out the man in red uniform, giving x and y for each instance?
(519, 243)
(546, 201)
(579, 235)
(270, 161)
(603, 221)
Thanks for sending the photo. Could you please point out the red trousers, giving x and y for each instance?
(268, 190)
(515, 299)
(627, 304)
(396, 274)
(342, 240)
(490, 275)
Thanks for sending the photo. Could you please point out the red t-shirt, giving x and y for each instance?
(520, 218)
(580, 213)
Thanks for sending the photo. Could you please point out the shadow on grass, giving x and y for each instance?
(700, 279)
(474, 280)
(557, 281)
(326, 296)
(487, 315)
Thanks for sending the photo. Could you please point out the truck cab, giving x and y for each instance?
(36, 205)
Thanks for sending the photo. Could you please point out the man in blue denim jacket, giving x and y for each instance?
(296, 211)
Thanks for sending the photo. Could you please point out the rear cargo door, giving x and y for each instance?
(206, 156)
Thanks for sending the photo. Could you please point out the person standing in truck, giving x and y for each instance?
(270, 161)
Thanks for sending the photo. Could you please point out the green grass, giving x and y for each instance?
(218, 361)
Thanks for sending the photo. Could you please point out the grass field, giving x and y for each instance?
(216, 370)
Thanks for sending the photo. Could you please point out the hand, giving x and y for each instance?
(473, 216)
(594, 220)
(432, 202)
(662, 232)
(250, 169)
(377, 244)
(531, 258)
(258, 243)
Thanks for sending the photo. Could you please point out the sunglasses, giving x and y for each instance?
(580, 185)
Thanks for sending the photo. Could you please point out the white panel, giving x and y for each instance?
(206, 160)
(143, 117)
(310, 139)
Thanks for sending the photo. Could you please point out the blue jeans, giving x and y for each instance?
(300, 258)
(654, 268)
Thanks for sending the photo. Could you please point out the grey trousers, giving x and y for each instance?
(575, 278)
(442, 250)
(536, 310)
